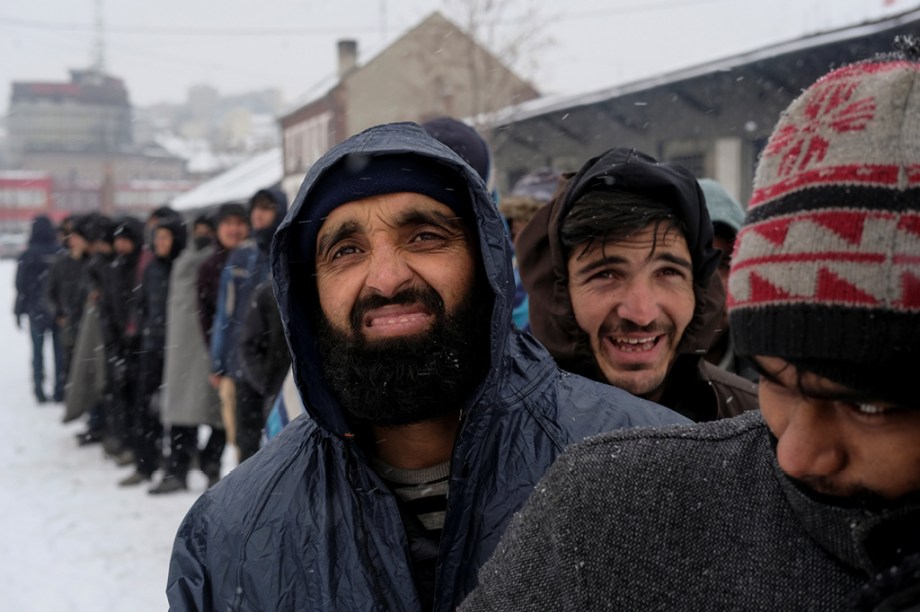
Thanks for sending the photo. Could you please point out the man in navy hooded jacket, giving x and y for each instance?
(393, 278)
(247, 267)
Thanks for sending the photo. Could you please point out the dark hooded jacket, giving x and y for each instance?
(67, 288)
(264, 354)
(152, 309)
(308, 524)
(247, 267)
(32, 274)
(208, 289)
(695, 388)
(118, 283)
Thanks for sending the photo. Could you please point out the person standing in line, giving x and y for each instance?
(813, 503)
(430, 417)
(188, 399)
(118, 299)
(727, 216)
(67, 289)
(246, 267)
(264, 355)
(169, 240)
(89, 385)
(232, 230)
(622, 274)
(32, 273)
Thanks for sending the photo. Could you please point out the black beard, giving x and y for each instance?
(400, 381)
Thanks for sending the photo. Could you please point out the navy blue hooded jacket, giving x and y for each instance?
(247, 267)
(306, 524)
(32, 274)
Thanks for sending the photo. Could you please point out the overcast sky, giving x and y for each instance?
(161, 48)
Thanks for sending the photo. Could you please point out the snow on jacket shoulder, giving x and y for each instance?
(307, 523)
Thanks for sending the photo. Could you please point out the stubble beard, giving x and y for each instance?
(630, 376)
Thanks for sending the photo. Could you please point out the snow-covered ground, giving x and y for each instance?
(71, 538)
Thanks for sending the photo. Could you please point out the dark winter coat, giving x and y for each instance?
(119, 294)
(208, 288)
(694, 387)
(152, 309)
(90, 370)
(618, 524)
(67, 288)
(264, 354)
(307, 524)
(247, 267)
(32, 274)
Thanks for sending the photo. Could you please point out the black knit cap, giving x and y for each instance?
(203, 220)
(462, 140)
(825, 273)
(357, 177)
(231, 209)
(130, 228)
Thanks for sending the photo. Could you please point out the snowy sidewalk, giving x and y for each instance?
(71, 538)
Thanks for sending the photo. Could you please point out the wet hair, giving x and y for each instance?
(613, 216)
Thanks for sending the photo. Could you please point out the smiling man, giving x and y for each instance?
(621, 273)
(429, 417)
(814, 503)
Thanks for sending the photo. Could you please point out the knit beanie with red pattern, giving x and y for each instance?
(826, 269)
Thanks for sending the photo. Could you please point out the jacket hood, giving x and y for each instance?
(543, 265)
(263, 237)
(180, 236)
(130, 228)
(293, 267)
(42, 231)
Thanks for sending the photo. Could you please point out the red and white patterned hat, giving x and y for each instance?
(826, 269)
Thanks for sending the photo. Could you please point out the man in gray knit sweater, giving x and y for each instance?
(814, 503)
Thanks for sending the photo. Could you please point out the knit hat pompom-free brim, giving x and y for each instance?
(826, 269)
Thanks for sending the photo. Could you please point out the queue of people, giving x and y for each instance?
(623, 445)
(135, 311)
(430, 419)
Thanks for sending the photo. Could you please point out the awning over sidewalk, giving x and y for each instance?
(236, 184)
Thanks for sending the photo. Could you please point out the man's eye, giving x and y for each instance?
(425, 236)
(343, 251)
(672, 272)
(602, 275)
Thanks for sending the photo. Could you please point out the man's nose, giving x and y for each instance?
(388, 273)
(810, 445)
(639, 303)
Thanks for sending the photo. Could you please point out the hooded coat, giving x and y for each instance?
(118, 284)
(152, 308)
(189, 399)
(264, 354)
(87, 378)
(308, 524)
(32, 275)
(247, 267)
(695, 388)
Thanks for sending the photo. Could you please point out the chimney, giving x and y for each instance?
(348, 56)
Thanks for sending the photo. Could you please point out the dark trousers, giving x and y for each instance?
(146, 429)
(249, 419)
(67, 335)
(183, 442)
(121, 391)
(38, 361)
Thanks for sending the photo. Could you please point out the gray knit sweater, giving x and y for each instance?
(685, 518)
